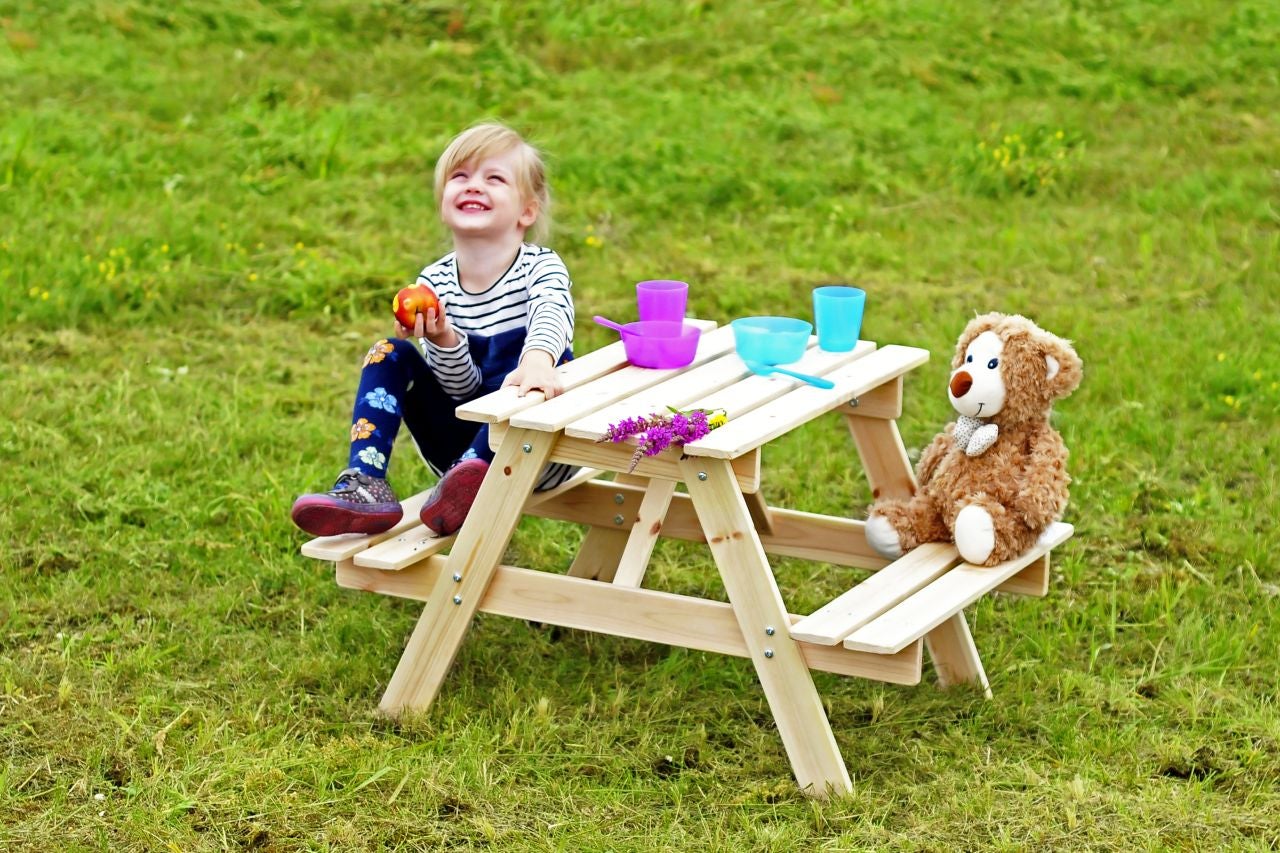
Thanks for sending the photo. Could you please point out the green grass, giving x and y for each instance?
(205, 208)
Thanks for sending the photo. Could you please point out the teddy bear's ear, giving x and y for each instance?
(978, 325)
(1063, 368)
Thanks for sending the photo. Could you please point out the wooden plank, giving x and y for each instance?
(884, 458)
(839, 618)
(644, 533)
(757, 604)
(599, 553)
(452, 605)
(954, 655)
(609, 569)
(576, 404)
(346, 545)
(948, 595)
(638, 614)
(806, 402)
(665, 465)
(725, 383)
(883, 402)
(807, 536)
(1033, 580)
(760, 514)
(675, 391)
(417, 542)
(500, 405)
(753, 392)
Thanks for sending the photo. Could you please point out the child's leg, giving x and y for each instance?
(394, 377)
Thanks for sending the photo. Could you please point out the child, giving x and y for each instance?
(505, 318)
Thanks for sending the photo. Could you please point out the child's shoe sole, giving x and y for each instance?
(322, 515)
(447, 508)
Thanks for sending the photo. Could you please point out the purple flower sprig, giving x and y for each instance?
(656, 432)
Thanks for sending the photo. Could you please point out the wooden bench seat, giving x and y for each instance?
(914, 594)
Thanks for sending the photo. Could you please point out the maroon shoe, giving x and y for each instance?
(451, 500)
(357, 503)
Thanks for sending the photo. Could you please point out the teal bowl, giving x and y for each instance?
(771, 340)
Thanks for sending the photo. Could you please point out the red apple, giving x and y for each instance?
(412, 301)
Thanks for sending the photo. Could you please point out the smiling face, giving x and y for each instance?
(976, 388)
(482, 198)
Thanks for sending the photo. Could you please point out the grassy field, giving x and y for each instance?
(205, 208)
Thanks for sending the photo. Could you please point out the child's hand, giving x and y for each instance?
(432, 326)
(536, 371)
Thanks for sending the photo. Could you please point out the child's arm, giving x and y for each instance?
(446, 351)
(550, 323)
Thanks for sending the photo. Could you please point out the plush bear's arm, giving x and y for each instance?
(932, 455)
(1043, 480)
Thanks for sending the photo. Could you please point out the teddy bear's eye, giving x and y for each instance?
(968, 359)
(993, 364)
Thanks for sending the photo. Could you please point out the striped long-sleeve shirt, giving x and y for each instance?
(529, 307)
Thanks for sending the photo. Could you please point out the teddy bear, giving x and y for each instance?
(996, 477)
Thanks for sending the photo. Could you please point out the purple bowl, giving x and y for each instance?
(661, 344)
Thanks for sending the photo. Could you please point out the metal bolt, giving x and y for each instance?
(769, 630)
(457, 599)
(702, 475)
(618, 499)
(617, 519)
(456, 577)
(853, 404)
(768, 653)
(527, 448)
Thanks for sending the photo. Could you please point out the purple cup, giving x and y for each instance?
(662, 299)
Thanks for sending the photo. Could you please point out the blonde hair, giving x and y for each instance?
(490, 140)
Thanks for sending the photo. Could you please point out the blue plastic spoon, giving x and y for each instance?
(765, 369)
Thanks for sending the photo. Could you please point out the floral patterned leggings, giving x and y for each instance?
(397, 385)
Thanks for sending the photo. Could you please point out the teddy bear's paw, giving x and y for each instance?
(883, 538)
(975, 534)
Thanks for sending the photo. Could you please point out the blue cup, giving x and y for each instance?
(837, 314)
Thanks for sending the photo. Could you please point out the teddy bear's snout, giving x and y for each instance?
(961, 383)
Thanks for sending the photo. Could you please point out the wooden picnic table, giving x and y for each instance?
(877, 630)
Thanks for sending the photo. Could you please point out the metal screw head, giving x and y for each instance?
(702, 475)
(853, 404)
(769, 630)
(456, 577)
(527, 448)
(457, 599)
(768, 653)
(618, 499)
(617, 519)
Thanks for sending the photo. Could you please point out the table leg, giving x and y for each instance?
(601, 550)
(472, 560)
(955, 657)
(757, 604)
(644, 532)
(883, 456)
(599, 553)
